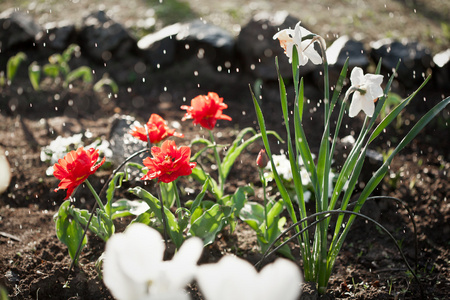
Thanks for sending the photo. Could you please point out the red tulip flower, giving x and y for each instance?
(75, 168)
(168, 162)
(262, 159)
(206, 110)
(157, 130)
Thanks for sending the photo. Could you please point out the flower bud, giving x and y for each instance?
(262, 159)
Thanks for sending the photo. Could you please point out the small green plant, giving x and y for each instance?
(12, 65)
(58, 67)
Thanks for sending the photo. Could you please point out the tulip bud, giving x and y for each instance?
(262, 159)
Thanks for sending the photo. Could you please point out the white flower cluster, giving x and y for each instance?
(283, 167)
(60, 146)
(133, 269)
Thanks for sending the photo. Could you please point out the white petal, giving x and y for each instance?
(297, 34)
(178, 272)
(302, 57)
(189, 252)
(357, 77)
(5, 172)
(282, 35)
(355, 106)
(373, 79)
(230, 278)
(374, 91)
(311, 52)
(121, 286)
(368, 106)
(142, 253)
(174, 295)
(279, 280)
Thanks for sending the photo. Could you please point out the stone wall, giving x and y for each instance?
(108, 46)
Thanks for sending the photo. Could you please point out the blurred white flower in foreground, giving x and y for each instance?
(134, 269)
(235, 278)
(367, 89)
(288, 38)
(5, 172)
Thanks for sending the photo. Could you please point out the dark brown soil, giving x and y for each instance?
(34, 264)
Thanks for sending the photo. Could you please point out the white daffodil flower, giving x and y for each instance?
(288, 38)
(367, 89)
(133, 267)
(235, 278)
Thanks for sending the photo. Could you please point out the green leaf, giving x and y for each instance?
(199, 198)
(394, 113)
(67, 54)
(381, 172)
(69, 231)
(83, 72)
(209, 224)
(34, 73)
(281, 188)
(13, 64)
(106, 81)
(155, 206)
(168, 193)
(124, 207)
(196, 214)
(253, 214)
(51, 70)
(202, 141)
(239, 145)
(200, 176)
(116, 182)
(274, 212)
(339, 85)
(144, 218)
(101, 225)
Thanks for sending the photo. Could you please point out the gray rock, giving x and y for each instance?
(415, 59)
(102, 38)
(159, 48)
(258, 49)
(441, 69)
(179, 42)
(206, 41)
(16, 29)
(57, 35)
(345, 47)
(121, 142)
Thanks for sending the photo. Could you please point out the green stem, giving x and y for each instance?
(97, 198)
(218, 161)
(163, 213)
(263, 181)
(177, 199)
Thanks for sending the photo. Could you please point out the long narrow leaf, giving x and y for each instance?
(339, 85)
(155, 206)
(284, 194)
(394, 113)
(199, 198)
(292, 154)
(381, 172)
(238, 146)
